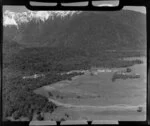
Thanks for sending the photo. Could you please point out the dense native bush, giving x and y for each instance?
(19, 99)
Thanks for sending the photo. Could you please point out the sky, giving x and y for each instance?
(23, 8)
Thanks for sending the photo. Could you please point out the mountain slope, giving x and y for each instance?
(86, 30)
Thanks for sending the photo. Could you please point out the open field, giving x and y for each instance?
(97, 97)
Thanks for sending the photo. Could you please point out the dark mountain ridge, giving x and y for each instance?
(87, 30)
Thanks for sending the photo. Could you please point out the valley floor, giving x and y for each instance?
(96, 97)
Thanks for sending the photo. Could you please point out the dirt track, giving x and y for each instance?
(99, 108)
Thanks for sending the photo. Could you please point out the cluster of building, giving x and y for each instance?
(95, 71)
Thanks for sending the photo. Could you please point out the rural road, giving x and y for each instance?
(99, 108)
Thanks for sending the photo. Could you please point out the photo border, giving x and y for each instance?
(145, 3)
